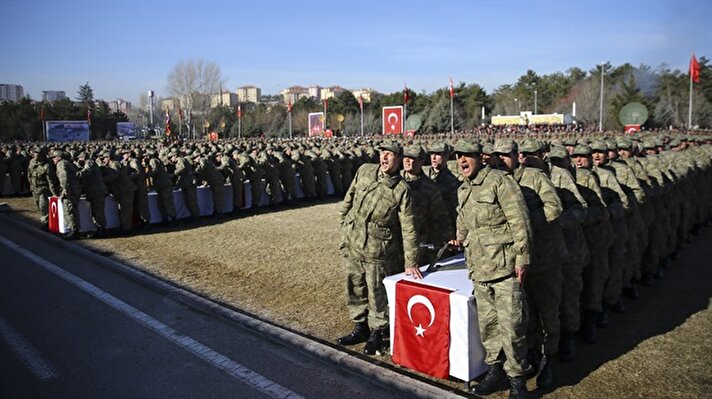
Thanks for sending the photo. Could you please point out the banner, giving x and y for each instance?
(393, 120)
(125, 129)
(630, 129)
(422, 328)
(316, 124)
(67, 130)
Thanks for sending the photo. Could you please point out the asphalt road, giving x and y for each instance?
(72, 328)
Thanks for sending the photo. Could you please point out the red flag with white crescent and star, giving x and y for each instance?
(239, 111)
(393, 120)
(694, 69)
(289, 106)
(421, 338)
(53, 206)
(452, 88)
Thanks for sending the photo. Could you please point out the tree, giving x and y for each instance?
(85, 96)
(192, 82)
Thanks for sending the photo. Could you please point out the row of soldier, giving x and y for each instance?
(605, 216)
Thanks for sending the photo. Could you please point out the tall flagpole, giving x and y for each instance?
(405, 106)
(361, 106)
(689, 112)
(290, 124)
(452, 108)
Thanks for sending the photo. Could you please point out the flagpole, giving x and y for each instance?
(689, 112)
(405, 107)
(290, 125)
(361, 116)
(452, 115)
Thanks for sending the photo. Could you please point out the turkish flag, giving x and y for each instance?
(53, 214)
(694, 69)
(393, 120)
(421, 338)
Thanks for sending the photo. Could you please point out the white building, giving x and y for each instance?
(53, 95)
(249, 94)
(10, 92)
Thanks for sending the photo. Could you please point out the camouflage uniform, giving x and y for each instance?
(377, 236)
(319, 173)
(493, 225)
(287, 174)
(137, 175)
(184, 176)
(162, 183)
(43, 182)
(232, 173)
(306, 173)
(333, 166)
(205, 171)
(70, 190)
(274, 187)
(447, 182)
(123, 191)
(94, 188)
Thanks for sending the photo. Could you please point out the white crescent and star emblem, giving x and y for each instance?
(53, 208)
(415, 299)
(393, 123)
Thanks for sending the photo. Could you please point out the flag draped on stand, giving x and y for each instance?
(168, 123)
(421, 338)
(53, 214)
(694, 69)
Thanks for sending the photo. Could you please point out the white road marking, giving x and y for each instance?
(234, 369)
(28, 355)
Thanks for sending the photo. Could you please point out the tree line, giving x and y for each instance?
(665, 93)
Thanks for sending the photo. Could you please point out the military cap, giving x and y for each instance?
(530, 146)
(468, 147)
(611, 144)
(624, 142)
(392, 146)
(82, 155)
(581, 149)
(649, 143)
(57, 153)
(675, 142)
(414, 151)
(599, 145)
(488, 148)
(558, 151)
(572, 141)
(42, 150)
(505, 146)
(438, 147)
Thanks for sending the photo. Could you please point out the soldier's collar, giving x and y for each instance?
(481, 174)
(389, 180)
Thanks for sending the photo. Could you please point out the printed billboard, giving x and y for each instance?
(67, 130)
(126, 129)
(316, 124)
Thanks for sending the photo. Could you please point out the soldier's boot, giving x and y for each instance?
(359, 334)
(374, 344)
(588, 327)
(647, 279)
(567, 347)
(518, 388)
(545, 376)
(602, 317)
(495, 380)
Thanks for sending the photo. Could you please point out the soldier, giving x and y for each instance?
(333, 166)
(227, 165)
(69, 191)
(571, 221)
(493, 226)
(184, 179)
(137, 174)
(163, 184)
(447, 182)
(254, 174)
(599, 238)
(15, 169)
(320, 169)
(432, 222)
(287, 174)
(43, 182)
(274, 188)
(123, 189)
(207, 173)
(544, 280)
(94, 189)
(306, 173)
(378, 239)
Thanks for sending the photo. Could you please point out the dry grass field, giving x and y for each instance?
(283, 266)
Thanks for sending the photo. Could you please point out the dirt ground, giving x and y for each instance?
(283, 266)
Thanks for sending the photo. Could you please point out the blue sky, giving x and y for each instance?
(123, 48)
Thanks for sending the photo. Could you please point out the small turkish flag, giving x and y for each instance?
(421, 338)
(53, 214)
(393, 120)
(694, 69)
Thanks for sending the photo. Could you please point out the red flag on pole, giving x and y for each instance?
(168, 123)
(360, 102)
(421, 338)
(452, 88)
(42, 113)
(239, 111)
(405, 93)
(89, 116)
(289, 106)
(326, 105)
(694, 69)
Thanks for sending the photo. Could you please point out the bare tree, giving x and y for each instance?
(192, 82)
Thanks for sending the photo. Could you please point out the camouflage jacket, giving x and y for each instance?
(184, 174)
(544, 208)
(574, 215)
(493, 224)
(158, 175)
(92, 180)
(42, 176)
(432, 222)
(597, 227)
(613, 194)
(68, 181)
(377, 221)
(448, 184)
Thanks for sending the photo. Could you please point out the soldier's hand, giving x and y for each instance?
(520, 271)
(413, 272)
(455, 243)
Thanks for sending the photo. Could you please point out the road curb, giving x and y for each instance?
(410, 386)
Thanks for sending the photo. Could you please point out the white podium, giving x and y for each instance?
(466, 351)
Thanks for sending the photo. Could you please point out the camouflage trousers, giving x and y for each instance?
(365, 292)
(98, 214)
(217, 189)
(656, 242)
(616, 263)
(274, 189)
(594, 279)
(71, 212)
(570, 309)
(165, 202)
(126, 207)
(308, 184)
(501, 313)
(257, 187)
(321, 185)
(42, 201)
(141, 205)
(289, 182)
(544, 292)
(190, 195)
